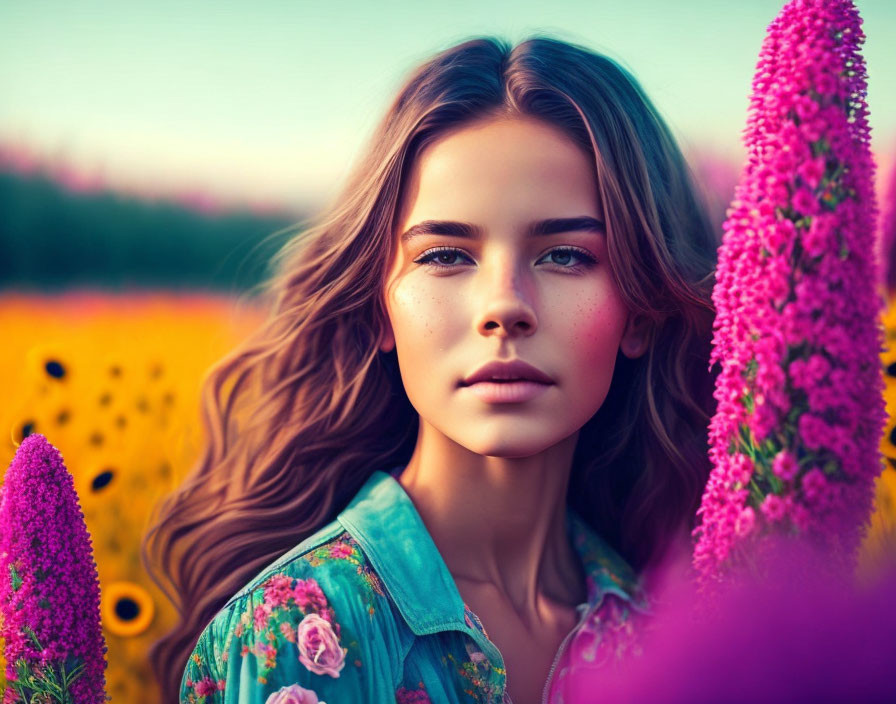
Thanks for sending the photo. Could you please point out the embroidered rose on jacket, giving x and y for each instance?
(319, 648)
(293, 694)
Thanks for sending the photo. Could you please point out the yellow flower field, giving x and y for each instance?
(113, 383)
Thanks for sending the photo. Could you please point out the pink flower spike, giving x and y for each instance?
(797, 307)
(49, 590)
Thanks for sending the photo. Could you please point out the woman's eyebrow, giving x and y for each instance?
(551, 226)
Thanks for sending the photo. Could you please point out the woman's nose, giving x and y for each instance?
(505, 303)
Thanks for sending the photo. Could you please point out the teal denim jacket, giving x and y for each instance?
(365, 610)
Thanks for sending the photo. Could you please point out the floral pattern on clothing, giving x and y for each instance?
(612, 633)
(286, 604)
(281, 609)
(608, 636)
(603, 568)
(478, 669)
(293, 694)
(472, 620)
(345, 547)
(319, 648)
(403, 695)
(485, 681)
(202, 690)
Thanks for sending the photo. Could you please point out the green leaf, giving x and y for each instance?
(14, 578)
(746, 438)
(820, 147)
(831, 467)
(756, 493)
(76, 671)
(770, 447)
(33, 637)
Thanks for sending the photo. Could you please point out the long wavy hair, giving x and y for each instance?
(301, 414)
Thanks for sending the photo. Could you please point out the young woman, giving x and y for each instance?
(476, 414)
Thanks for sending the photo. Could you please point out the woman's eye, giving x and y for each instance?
(443, 257)
(563, 257)
(570, 257)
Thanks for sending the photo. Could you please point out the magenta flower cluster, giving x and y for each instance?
(49, 591)
(795, 438)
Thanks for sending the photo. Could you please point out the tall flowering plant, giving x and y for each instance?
(795, 437)
(49, 592)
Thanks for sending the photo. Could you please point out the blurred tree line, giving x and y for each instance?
(52, 239)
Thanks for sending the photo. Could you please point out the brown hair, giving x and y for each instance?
(301, 414)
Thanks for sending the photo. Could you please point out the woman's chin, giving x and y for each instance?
(512, 444)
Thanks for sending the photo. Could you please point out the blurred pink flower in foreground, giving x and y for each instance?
(49, 592)
(795, 438)
(794, 636)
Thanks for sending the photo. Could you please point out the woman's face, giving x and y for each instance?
(477, 276)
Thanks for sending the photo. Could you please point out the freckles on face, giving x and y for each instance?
(589, 328)
(420, 311)
(479, 281)
(596, 318)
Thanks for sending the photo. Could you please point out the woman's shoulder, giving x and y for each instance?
(309, 617)
(329, 553)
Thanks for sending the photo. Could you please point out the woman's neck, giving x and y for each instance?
(498, 520)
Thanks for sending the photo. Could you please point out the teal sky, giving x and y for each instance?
(274, 100)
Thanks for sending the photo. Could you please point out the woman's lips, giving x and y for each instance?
(507, 391)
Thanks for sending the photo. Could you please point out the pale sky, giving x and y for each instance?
(274, 100)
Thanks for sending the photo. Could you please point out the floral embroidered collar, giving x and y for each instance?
(385, 523)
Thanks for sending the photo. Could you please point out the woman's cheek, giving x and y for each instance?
(411, 313)
(597, 325)
(424, 321)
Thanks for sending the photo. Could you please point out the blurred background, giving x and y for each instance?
(151, 155)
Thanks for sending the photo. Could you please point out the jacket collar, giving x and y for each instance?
(385, 523)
